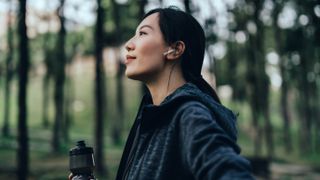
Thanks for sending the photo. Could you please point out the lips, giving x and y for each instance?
(129, 58)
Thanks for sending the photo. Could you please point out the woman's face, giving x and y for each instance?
(144, 58)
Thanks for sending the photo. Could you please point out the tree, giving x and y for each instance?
(117, 127)
(187, 6)
(69, 88)
(9, 74)
(59, 81)
(49, 74)
(284, 102)
(23, 150)
(306, 81)
(258, 81)
(48, 62)
(100, 104)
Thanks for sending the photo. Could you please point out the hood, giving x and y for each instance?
(190, 92)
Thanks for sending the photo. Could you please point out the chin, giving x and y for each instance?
(132, 76)
(136, 76)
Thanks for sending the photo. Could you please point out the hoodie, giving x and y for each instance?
(188, 136)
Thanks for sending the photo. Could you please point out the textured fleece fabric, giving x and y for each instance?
(188, 136)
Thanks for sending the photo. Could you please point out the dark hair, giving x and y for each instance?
(177, 25)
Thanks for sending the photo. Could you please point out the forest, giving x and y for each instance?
(62, 80)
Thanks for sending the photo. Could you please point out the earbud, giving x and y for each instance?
(168, 52)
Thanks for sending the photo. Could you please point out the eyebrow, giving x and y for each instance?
(146, 26)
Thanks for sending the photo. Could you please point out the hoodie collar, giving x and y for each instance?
(189, 92)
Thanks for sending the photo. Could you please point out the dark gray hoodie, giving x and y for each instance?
(188, 136)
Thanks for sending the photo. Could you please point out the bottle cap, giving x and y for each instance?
(80, 149)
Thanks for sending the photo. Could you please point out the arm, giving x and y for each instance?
(207, 150)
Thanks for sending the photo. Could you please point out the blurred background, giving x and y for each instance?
(62, 80)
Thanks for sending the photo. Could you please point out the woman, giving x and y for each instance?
(181, 130)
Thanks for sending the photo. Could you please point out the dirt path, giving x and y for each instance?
(293, 171)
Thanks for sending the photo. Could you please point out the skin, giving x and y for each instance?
(146, 61)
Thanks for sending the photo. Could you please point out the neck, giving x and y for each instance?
(166, 84)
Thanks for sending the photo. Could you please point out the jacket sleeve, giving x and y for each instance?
(207, 151)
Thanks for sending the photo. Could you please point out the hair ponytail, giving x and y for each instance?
(204, 86)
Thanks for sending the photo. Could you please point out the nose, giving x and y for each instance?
(129, 45)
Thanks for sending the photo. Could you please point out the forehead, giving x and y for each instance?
(151, 20)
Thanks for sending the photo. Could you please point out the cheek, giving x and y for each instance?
(151, 54)
(150, 47)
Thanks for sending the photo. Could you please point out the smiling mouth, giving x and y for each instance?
(129, 59)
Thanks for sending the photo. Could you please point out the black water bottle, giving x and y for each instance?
(81, 162)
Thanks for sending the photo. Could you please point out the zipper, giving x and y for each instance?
(131, 154)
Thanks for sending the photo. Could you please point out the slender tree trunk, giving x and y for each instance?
(8, 78)
(278, 35)
(254, 96)
(286, 116)
(317, 105)
(259, 78)
(46, 83)
(317, 125)
(305, 130)
(269, 132)
(59, 82)
(232, 69)
(117, 124)
(69, 90)
(187, 6)
(68, 115)
(99, 92)
(142, 5)
(23, 150)
(45, 100)
(118, 127)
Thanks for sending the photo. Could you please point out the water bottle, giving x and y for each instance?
(81, 162)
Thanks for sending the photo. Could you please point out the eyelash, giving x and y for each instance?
(142, 33)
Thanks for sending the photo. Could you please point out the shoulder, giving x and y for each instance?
(193, 106)
(194, 111)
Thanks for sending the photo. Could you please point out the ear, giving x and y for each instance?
(179, 48)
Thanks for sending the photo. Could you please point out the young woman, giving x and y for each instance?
(181, 130)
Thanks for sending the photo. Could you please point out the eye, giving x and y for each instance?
(142, 33)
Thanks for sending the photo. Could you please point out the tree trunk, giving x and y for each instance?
(46, 82)
(99, 92)
(8, 78)
(259, 81)
(45, 100)
(68, 116)
(278, 35)
(118, 123)
(232, 69)
(59, 82)
(263, 79)
(317, 105)
(187, 6)
(142, 5)
(254, 96)
(305, 115)
(268, 132)
(286, 116)
(23, 150)
(69, 90)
